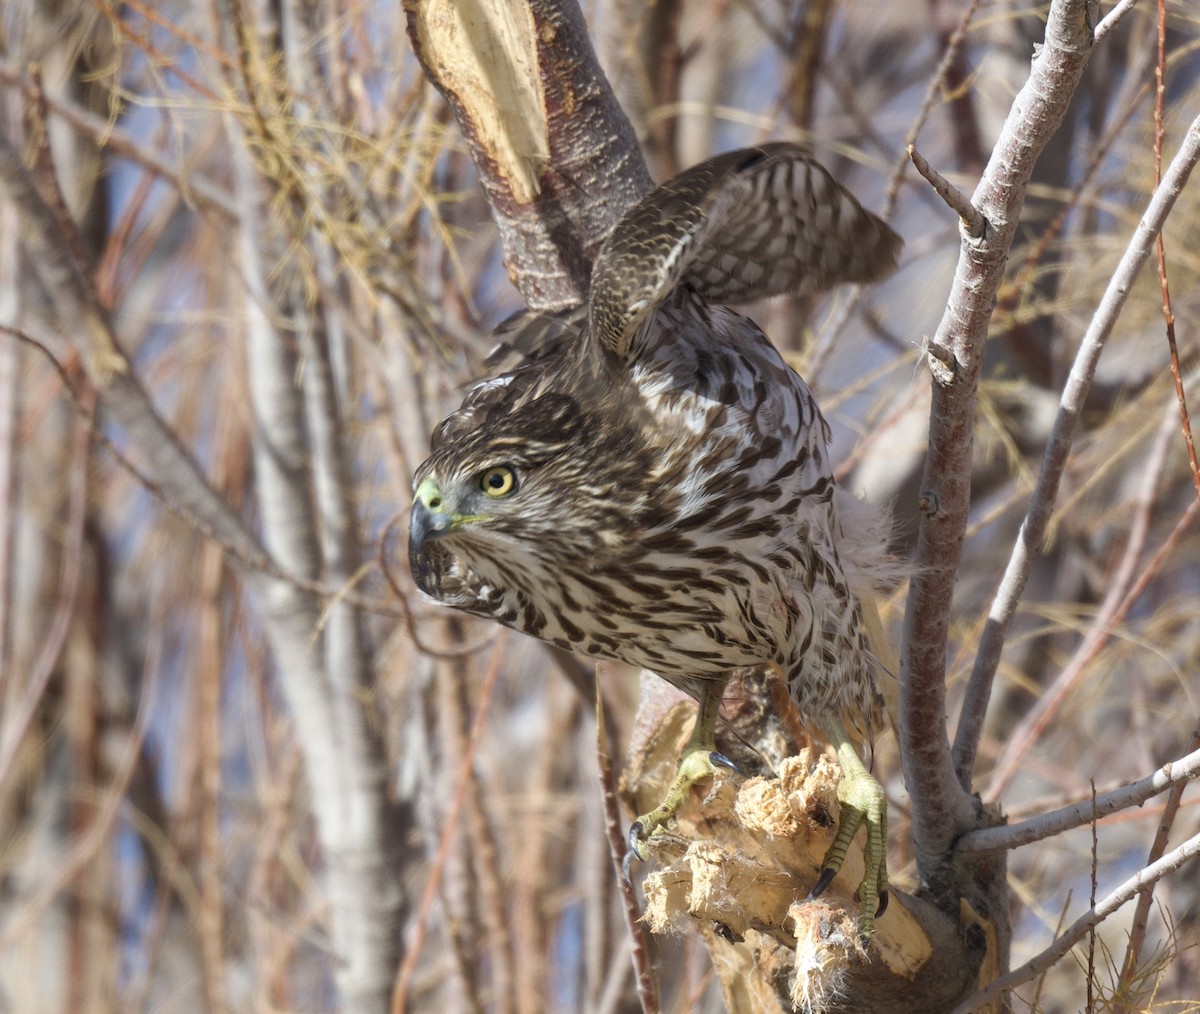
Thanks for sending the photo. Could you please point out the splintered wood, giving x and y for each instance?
(737, 865)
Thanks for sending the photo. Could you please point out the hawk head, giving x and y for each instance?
(536, 478)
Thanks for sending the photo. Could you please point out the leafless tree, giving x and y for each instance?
(251, 253)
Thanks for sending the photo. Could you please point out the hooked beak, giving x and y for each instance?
(429, 518)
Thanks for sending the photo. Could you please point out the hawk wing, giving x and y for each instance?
(747, 224)
(531, 335)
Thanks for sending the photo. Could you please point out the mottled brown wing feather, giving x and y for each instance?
(530, 335)
(745, 225)
(525, 341)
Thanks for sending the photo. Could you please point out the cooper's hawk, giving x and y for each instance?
(653, 483)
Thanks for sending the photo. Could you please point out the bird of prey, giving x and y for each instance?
(652, 484)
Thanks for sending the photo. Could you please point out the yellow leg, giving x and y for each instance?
(862, 801)
(699, 760)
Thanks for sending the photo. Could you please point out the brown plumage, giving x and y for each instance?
(652, 484)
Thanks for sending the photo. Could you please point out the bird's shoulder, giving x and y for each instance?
(550, 390)
(529, 336)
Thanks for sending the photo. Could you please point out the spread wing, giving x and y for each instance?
(747, 224)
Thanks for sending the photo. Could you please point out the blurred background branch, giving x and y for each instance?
(262, 252)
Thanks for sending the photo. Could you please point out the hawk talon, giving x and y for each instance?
(720, 760)
(823, 881)
(627, 865)
(862, 802)
(634, 837)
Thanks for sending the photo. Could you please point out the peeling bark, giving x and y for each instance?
(556, 154)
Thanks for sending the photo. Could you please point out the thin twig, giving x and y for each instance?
(956, 200)
(408, 968)
(1113, 18)
(1141, 912)
(1092, 879)
(932, 91)
(250, 563)
(1033, 529)
(195, 190)
(1160, 91)
(83, 848)
(1045, 825)
(1093, 917)
(55, 638)
(647, 987)
(1112, 608)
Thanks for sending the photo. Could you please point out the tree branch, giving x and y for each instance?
(1066, 818)
(557, 156)
(301, 476)
(1041, 504)
(110, 369)
(1093, 917)
(1124, 588)
(941, 808)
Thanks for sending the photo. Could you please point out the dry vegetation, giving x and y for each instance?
(246, 270)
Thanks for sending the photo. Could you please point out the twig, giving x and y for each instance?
(55, 638)
(1160, 90)
(1113, 18)
(1091, 949)
(1033, 528)
(957, 201)
(948, 61)
(1141, 913)
(197, 190)
(83, 848)
(409, 966)
(639, 952)
(1066, 818)
(1093, 917)
(1116, 602)
(257, 563)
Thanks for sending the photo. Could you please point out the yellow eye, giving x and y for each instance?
(499, 480)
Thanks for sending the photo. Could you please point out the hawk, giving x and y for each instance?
(652, 484)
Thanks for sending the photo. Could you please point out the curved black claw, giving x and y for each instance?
(627, 867)
(883, 903)
(721, 760)
(823, 881)
(634, 838)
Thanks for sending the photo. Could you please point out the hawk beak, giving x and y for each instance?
(429, 518)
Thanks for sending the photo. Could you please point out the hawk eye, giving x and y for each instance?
(499, 480)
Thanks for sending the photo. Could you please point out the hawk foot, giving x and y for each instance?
(700, 760)
(695, 765)
(861, 801)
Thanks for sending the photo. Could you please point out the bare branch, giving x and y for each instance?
(110, 370)
(1117, 600)
(1093, 917)
(556, 154)
(951, 58)
(404, 973)
(204, 194)
(1068, 817)
(614, 830)
(1041, 505)
(49, 657)
(955, 199)
(941, 807)
(1113, 18)
(1141, 912)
